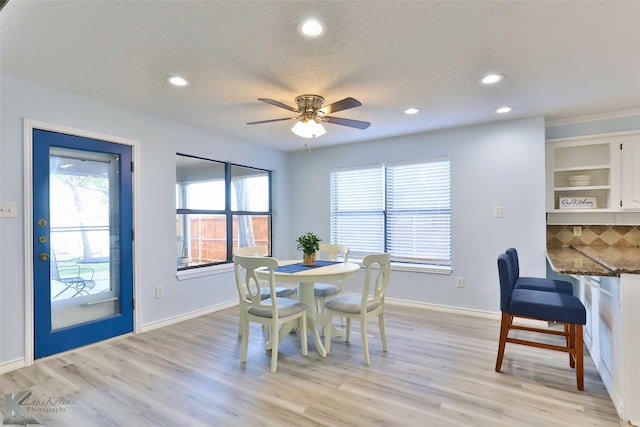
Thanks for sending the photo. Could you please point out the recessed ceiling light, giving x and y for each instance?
(178, 81)
(311, 28)
(490, 79)
(503, 110)
(411, 111)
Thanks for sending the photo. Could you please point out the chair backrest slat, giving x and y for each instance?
(248, 283)
(251, 251)
(330, 252)
(381, 280)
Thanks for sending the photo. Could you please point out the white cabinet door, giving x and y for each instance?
(630, 176)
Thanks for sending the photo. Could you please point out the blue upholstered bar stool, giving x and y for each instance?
(545, 306)
(536, 283)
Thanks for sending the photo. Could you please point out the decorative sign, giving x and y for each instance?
(578, 202)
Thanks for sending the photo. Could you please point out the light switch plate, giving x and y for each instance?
(497, 212)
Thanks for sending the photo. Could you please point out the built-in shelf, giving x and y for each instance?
(582, 168)
(568, 158)
(583, 188)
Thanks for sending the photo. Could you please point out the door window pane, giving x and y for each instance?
(83, 194)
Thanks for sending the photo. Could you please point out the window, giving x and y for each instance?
(219, 206)
(400, 208)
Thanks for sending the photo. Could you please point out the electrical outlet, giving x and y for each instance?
(459, 282)
(160, 292)
(497, 212)
(577, 230)
(8, 210)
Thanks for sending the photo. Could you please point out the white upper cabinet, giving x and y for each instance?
(630, 173)
(598, 173)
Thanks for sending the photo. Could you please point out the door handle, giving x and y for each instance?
(43, 256)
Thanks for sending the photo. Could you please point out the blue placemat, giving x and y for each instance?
(295, 268)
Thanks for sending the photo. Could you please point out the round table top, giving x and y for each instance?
(337, 271)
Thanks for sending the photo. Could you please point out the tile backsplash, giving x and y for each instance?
(613, 235)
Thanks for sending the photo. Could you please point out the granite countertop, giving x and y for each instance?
(596, 260)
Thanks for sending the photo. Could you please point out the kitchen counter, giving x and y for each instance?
(607, 281)
(595, 260)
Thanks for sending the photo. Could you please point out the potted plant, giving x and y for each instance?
(309, 244)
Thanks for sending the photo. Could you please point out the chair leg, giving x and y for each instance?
(275, 335)
(327, 331)
(244, 326)
(348, 331)
(504, 332)
(365, 342)
(570, 338)
(303, 334)
(579, 345)
(383, 336)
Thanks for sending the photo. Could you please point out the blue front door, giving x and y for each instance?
(83, 247)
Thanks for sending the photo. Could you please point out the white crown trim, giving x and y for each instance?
(592, 118)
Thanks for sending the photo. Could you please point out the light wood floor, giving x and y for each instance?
(439, 371)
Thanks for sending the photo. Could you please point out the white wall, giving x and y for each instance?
(499, 164)
(159, 140)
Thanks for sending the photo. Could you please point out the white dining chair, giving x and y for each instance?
(281, 291)
(368, 304)
(323, 292)
(271, 312)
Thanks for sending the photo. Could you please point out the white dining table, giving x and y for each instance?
(305, 280)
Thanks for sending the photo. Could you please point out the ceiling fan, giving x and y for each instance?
(311, 113)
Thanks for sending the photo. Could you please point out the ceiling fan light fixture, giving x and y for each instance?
(308, 129)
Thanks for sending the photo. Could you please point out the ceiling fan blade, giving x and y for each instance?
(346, 122)
(272, 120)
(278, 104)
(343, 104)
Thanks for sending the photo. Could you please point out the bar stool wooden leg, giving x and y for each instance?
(505, 323)
(570, 331)
(579, 345)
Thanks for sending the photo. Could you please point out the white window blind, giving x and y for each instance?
(401, 208)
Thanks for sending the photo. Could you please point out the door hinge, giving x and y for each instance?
(133, 303)
(131, 166)
(133, 235)
(620, 203)
(621, 146)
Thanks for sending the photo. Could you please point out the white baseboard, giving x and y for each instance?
(482, 314)
(445, 308)
(185, 316)
(12, 365)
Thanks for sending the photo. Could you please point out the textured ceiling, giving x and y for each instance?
(560, 58)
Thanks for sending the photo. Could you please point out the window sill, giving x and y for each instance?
(419, 268)
(204, 271)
